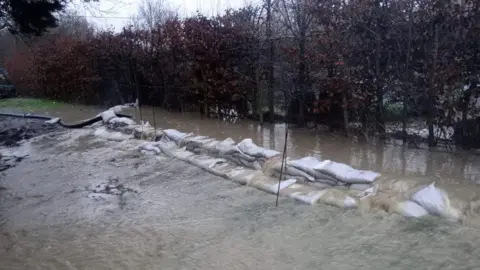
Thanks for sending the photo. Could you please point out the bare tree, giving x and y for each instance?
(152, 13)
(297, 20)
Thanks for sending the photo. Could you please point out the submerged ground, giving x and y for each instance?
(78, 202)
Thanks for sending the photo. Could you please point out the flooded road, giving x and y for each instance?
(391, 159)
(177, 216)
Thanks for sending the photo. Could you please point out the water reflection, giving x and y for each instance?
(387, 158)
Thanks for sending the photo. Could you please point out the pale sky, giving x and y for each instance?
(116, 12)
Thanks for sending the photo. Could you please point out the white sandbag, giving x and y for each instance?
(345, 173)
(150, 147)
(360, 187)
(53, 121)
(182, 154)
(209, 164)
(121, 121)
(227, 146)
(144, 133)
(311, 197)
(276, 167)
(176, 135)
(120, 108)
(238, 159)
(167, 147)
(207, 148)
(107, 115)
(309, 181)
(339, 198)
(248, 147)
(436, 202)
(409, 209)
(283, 185)
(206, 162)
(307, 165)
(196, 144)
(267, 186)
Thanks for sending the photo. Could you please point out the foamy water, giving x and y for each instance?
(185, 218)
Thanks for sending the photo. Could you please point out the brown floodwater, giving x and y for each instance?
(185, 218)
(392, 158)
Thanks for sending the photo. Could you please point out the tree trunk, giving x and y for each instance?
(269, 35)
(258, 97)
(465, 102)
(431, 93)
(165, 91)
(345, 112)
(301, 79)
(378, 86)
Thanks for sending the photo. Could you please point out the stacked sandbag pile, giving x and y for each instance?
(176, 136)
(260, 154)
(246, 153)
(229, 150)
(199, 144)
(434, 201)
(326, 172)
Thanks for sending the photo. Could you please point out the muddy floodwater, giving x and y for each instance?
(80, 202)
(391, 159)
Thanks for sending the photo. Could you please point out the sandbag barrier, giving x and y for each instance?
(307, 180)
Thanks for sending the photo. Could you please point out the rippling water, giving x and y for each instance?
(390, 159)
(184, 218)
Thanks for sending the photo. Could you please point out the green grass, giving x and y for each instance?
(30, 104)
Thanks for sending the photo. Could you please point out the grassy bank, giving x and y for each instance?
(30, 104)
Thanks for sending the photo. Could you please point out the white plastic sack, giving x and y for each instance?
(436, 202)
(150, 147)
(227, 146)
(176, 135)
(243, 160)
(276, 167)
(308, 165)
(121, 121)
(311, 197)
(197, 144)
(183, 154)
(53, 120)
(346, 173)
(248, 147)
(210, 147)
(144, 133)
(167, 148)
(409, 209)
(206, 162)
(267, 186)
(107, 115)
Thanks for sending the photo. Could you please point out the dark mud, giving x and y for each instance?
(13, 130)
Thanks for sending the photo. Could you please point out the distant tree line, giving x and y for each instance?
(327, 62)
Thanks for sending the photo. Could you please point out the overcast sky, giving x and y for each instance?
(116, 12)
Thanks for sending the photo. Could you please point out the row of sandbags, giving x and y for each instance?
(246, 153)
(430, 200)
(335, 196)
(211, 155)
(325, 172)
